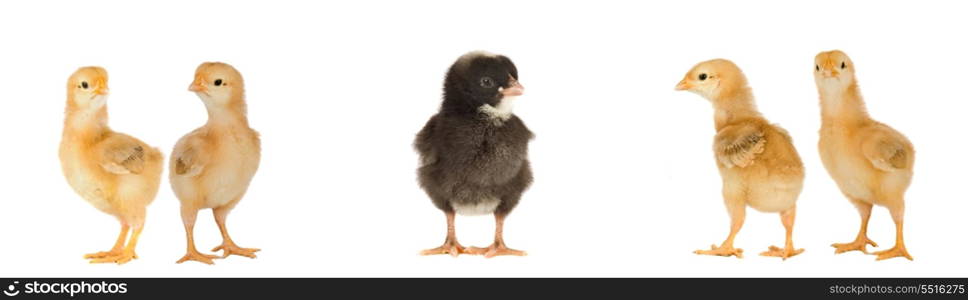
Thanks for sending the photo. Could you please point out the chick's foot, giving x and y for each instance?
(495, 249)
(857, 245)
(783, 253)
(230, 248)
(199, 257)
(103, 254)
(121, 257)
(897, 251)
(449, 247)
(721, 251)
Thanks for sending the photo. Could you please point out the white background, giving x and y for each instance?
(625, 184)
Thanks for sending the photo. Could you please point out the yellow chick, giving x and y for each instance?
(871, 162)
(212, 166)
(759, 166)
(116, 173)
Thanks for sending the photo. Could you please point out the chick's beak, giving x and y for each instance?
(829, 70)
(102, 87)
(515, 89)
(683, 85)
(197, 86)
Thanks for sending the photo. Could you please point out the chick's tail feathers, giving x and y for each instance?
(155, 160)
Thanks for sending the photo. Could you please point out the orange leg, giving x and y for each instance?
(788, 251)
(861, 242)
(899, 250)
(116, 250)
(229, 247)
(737, 214)
(127, 254)
(450, 246)
(188, 218)
(498, 247)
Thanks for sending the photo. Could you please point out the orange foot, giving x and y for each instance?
(232, 249)
(495, 250)
(120, 257)
(721, 251)
(196, 256)
(897, 251)
(103, 254)
(858, 245)
(449, 247)
(781, 252)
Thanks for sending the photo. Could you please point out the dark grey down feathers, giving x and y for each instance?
(468, 159)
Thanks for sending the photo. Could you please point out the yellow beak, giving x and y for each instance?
(683, 85)
(830, 69)
(102, 87)
(197, 85)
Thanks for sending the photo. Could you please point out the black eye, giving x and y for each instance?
(816, 67)
(218, 82)
(843, 66)
(487, 82)
(702, 76)
(84, 84)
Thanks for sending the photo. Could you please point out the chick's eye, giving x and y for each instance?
(843, 65)
(703, 76)
(84, 84)
(218, 82)
(817, 67)
(487, 82)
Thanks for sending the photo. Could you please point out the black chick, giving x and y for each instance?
(474, 151)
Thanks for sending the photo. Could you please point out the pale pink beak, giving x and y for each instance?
(516, 89)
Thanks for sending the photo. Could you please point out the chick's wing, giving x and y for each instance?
(887, 150)
(738, 145)
(121, 154)
(189, 158)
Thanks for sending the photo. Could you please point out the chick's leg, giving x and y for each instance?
(861, 242)
(117, 245)
(788, 250)
(127, 254)
(498, 247)
(737, 214)
(897, 212)
(188, 218)
(229, 247)
(450, 246)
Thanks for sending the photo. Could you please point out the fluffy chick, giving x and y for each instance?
(116, 173)
(212, 166)
(871, 162)
(474, 151)
(759, 166)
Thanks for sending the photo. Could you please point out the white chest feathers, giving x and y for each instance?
(501, 112)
